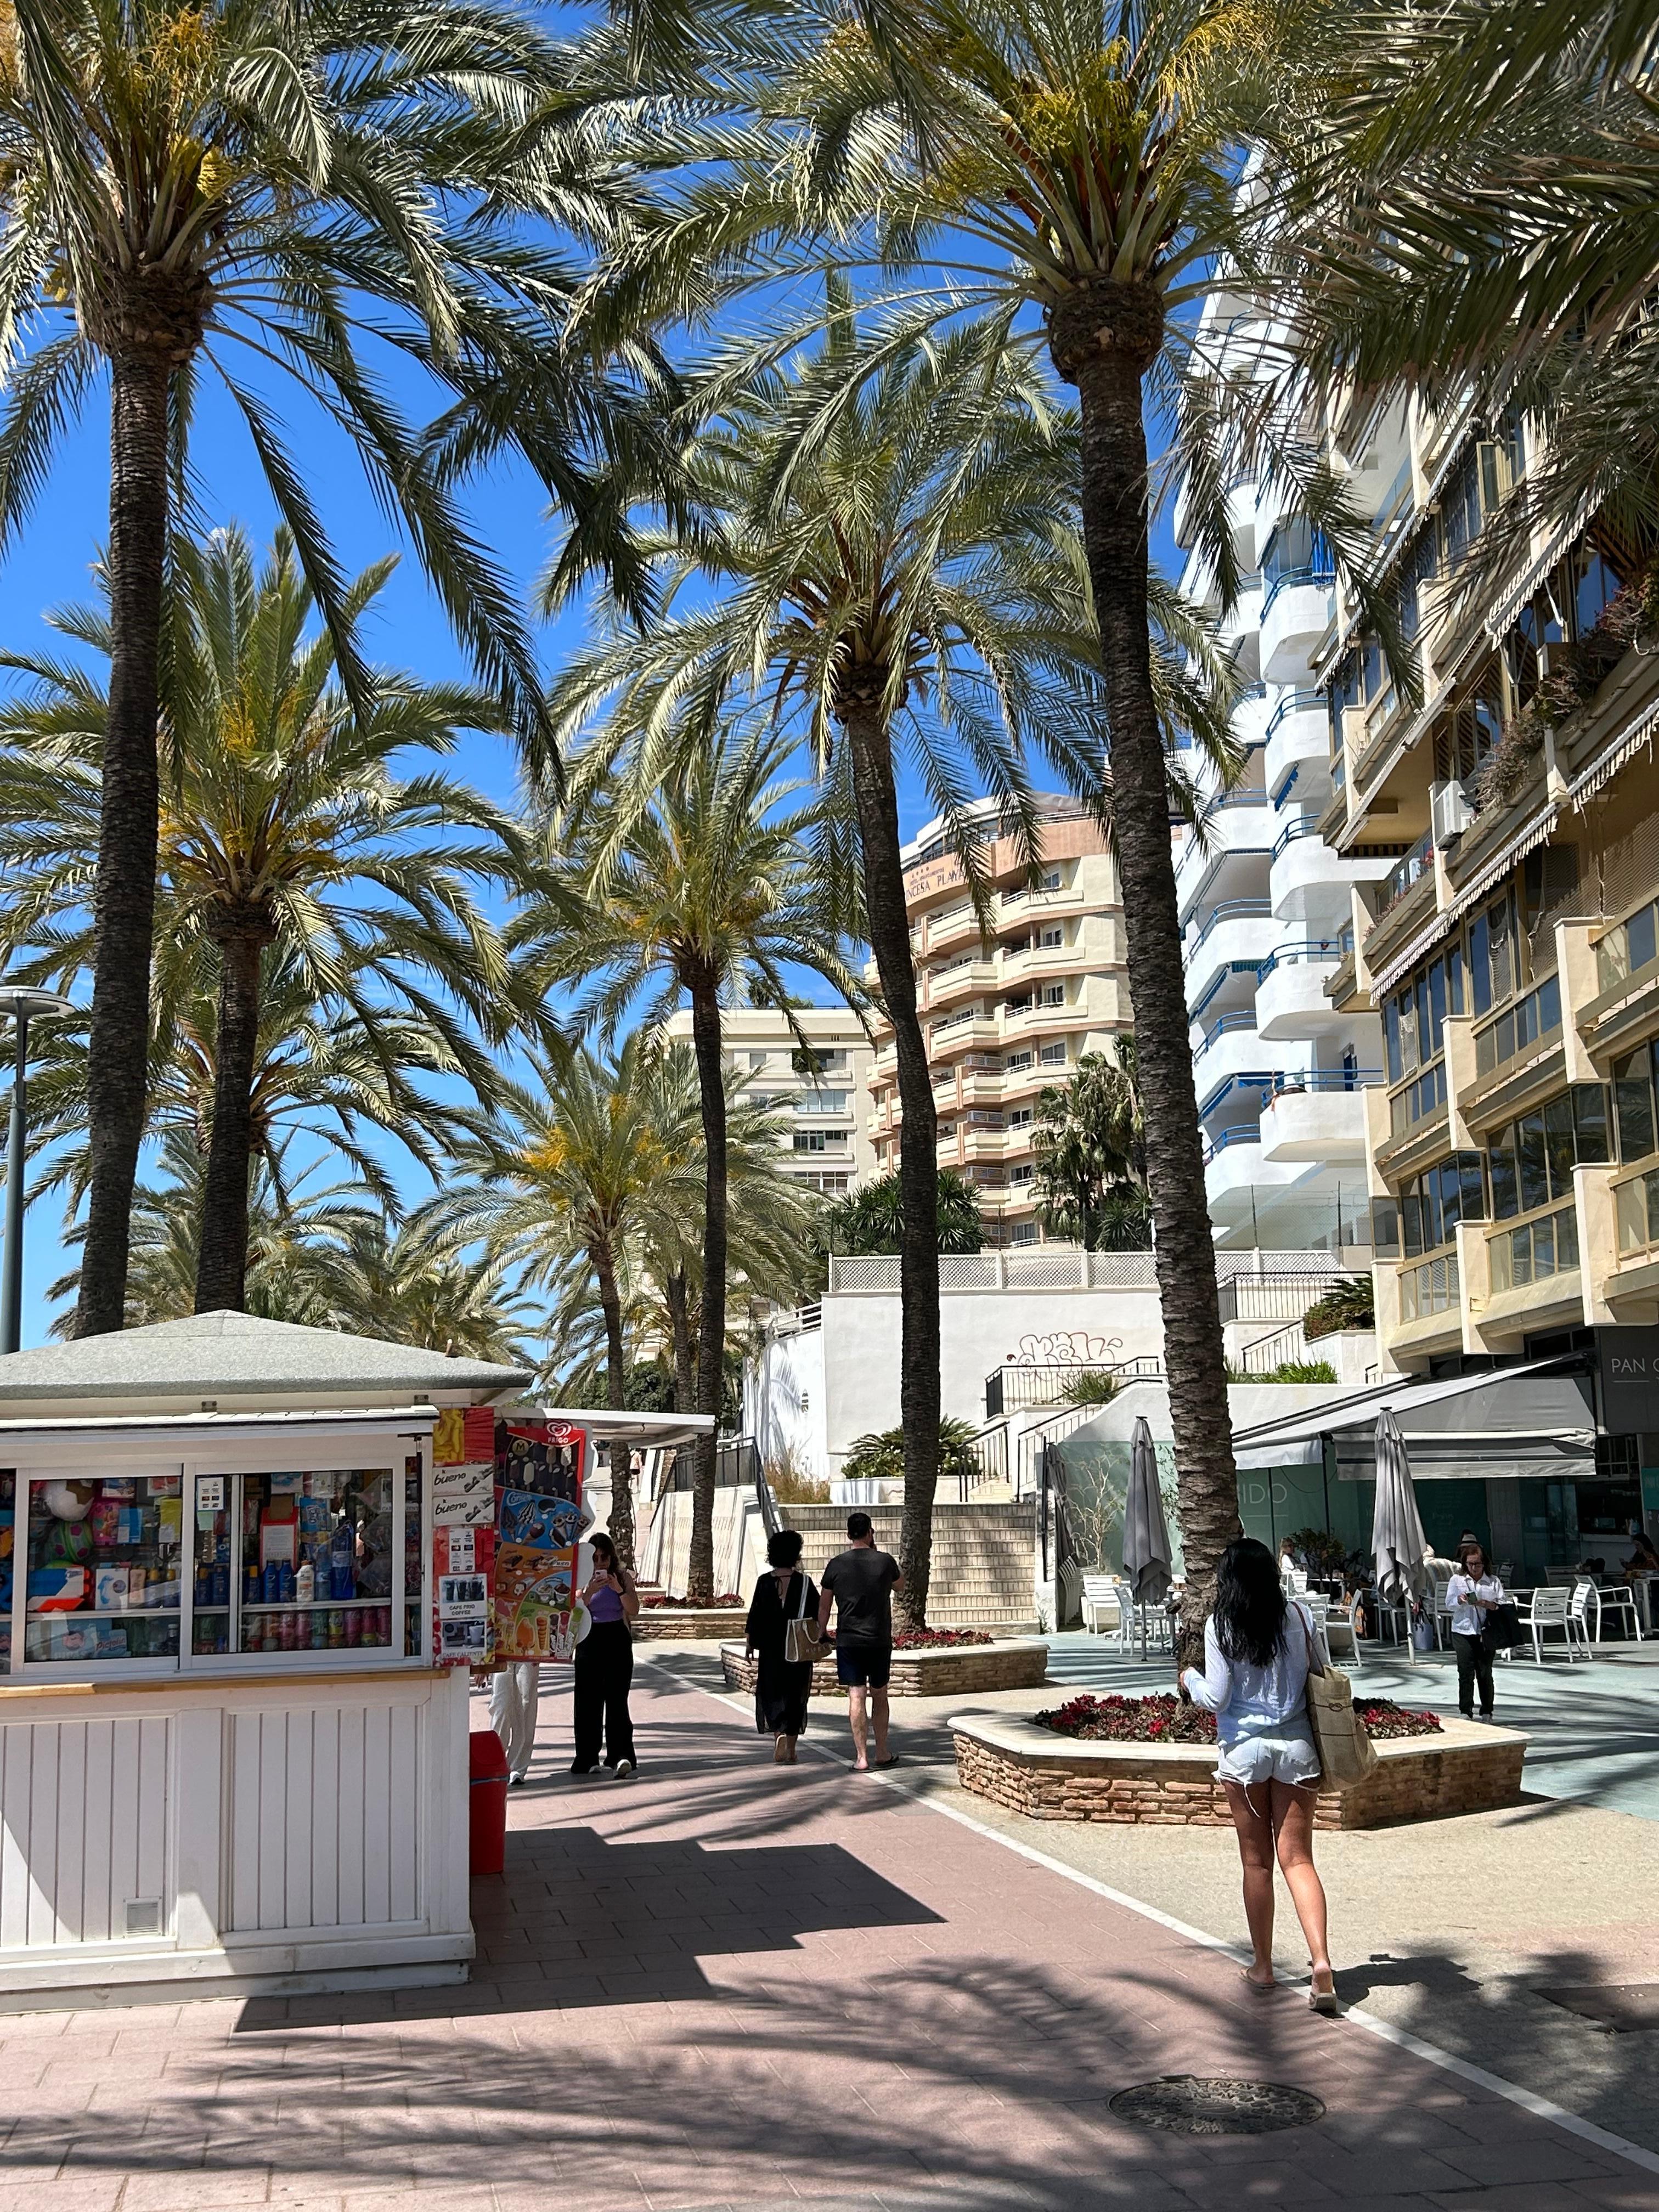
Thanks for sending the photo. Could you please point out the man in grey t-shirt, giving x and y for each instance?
(860, 1582)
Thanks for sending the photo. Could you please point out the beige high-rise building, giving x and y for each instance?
(1002, 1022)
(827, 1144)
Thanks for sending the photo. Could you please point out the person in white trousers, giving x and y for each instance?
(515, 1694)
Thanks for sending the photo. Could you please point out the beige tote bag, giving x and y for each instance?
(1347, 1756)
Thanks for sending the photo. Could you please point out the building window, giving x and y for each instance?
(1053, 1055)
(1020, 1118)
(1053, 995)
(1632, 1092)
(1051, 881)
(1013, 1061)
(1530, 1161)
(757, 1059)
(1433, 1203)
(1535, 1251)
(819, 1140)
(1020, 1175)
(1024, 1232)
(1053, 938)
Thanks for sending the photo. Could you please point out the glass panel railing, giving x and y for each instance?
(1629, 947)
(1429, 1287)
(1534, 1251)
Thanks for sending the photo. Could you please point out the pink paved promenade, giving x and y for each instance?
(726, 1983)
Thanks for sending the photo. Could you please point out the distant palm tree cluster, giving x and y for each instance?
(830, 339)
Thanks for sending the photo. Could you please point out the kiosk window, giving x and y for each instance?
(103, 1567)
(295, 1562)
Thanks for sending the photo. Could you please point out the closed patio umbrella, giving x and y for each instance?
(1146, 1547)
(1397, 1540)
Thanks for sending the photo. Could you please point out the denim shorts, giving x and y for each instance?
(1254, 1759)
(863, 1665)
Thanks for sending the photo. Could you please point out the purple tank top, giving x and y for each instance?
(605, 1605)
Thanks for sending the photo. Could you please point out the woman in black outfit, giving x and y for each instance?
(780, 1690)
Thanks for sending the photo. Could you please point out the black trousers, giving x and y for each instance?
(1473, 1665)
(604, 1670)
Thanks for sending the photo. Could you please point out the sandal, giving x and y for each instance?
(1257, 1989)
(1324, 2001)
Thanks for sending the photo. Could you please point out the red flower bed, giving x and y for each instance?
(690, 1605)
(1164, 1719)
(939, 1640)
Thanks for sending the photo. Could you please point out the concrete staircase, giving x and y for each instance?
(983, 1557)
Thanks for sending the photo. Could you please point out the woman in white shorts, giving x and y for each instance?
(1257, 1650)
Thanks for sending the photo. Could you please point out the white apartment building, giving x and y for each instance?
(1001, 1022)
(1265, 902)
(827, 1143)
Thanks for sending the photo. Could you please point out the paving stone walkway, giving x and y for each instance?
(725, 1984)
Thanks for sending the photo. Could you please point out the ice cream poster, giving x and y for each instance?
(547, 1524)
(535, 1603)
(545, 1458)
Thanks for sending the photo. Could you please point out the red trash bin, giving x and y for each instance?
(488, 1794)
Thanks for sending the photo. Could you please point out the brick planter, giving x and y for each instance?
(958, 1671)
(1468, 1768)
(686, 1624)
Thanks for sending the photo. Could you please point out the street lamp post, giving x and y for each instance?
(23, 1005)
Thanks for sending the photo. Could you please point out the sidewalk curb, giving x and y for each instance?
(1385, 2031)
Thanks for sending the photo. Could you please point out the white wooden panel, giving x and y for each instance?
(86, 1814)
(324, 1843)
(351, 1786)
(100, 1811)
(326, 1825)
(402, 1827)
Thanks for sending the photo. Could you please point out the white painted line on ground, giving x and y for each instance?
(1385, 2030)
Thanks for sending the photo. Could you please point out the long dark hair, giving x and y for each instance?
(1249, 1603)
(602, 1543)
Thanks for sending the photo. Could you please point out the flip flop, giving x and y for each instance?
(893, 1761)
(1257, 1989)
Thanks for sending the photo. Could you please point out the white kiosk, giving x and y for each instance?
(227, 1764)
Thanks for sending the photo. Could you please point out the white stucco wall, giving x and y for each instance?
(861, 1345)
(784, 1400)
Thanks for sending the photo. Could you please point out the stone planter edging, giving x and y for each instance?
(956, 1671)
(1470, 1767)
(685, 1624)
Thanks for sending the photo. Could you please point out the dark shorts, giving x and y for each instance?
(865, 1664)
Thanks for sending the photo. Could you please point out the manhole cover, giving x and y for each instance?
(1191, 2104)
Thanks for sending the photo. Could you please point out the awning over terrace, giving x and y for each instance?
(1533, 1420)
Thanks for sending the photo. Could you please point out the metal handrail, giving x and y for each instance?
(1288, 576)
(1241, 1133)
(1226, 1025)
(1290, 956)
(1304, 825)
(1245, 910)
(1296, 702)
(1326, 1079)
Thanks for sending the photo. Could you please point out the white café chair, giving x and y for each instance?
(1441, 1612)
(1618, 1598)
(1545, 1610)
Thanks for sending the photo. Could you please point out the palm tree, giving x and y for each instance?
(1069, 171)
(287, 842)
(703, 886)
(1090, 1139)
(322, 1258)
(226, 187)
(586, 1164)
(905, 583)
(871, 1219)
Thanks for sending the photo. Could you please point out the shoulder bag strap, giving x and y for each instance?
(800, 1610)
(1316, 1666)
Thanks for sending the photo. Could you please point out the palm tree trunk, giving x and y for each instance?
(622, 1480)
(889, 925)
(711, 1331)
(1103, 340)
(123, 897)
(685, 1386)
(221, 1264)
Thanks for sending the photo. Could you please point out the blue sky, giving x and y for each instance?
(52, 564)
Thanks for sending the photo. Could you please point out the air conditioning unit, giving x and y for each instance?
(1450, 813)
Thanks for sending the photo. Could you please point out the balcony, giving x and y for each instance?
(1534, 1271)
(956, 1032)
(1295, 615)
(1239, 933)
(1302, 862)
(1236, 837)
(1298, 731)
(1319, 1116)
(1290, 997)
(958, 979)
(1231, 1050)
(952, 925)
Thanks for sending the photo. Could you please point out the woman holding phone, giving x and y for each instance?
(605, 1666)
